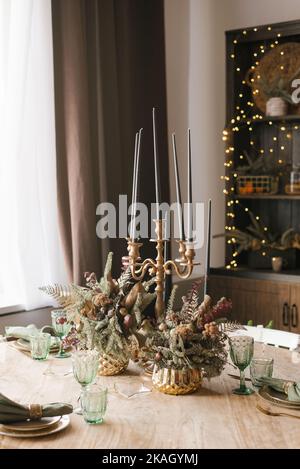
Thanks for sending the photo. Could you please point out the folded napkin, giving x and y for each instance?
(290, 388)
(11, 411)
(21, 332)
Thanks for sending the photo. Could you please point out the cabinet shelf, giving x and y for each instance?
(261, 274)
(265, 119)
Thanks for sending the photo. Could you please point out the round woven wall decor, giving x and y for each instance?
(281, 62)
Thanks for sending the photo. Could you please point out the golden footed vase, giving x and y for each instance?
(176, 382)
(110, 365)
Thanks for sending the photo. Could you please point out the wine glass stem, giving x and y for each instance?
(61, 350)
(242, 379)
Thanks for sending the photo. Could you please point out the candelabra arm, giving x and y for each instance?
(183, 273)
(183, 266)
(142, 269)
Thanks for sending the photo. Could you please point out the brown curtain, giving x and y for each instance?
(109, 68)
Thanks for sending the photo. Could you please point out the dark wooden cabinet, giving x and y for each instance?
(273, 143)
(260, 300)
(294, 308)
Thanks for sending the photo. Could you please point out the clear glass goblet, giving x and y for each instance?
(61, 326)
(85, 367)
(241, 353)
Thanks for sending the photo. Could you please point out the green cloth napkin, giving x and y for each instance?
(24, 332)
(290, 388)
(11, 411)
(21, 332)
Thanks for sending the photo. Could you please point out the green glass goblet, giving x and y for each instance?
(241, 353)
(61, 327)
(85, 368)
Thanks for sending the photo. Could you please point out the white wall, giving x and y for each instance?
(245, 13)
(195, 65)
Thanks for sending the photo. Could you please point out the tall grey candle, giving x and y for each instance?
(137, 181)
(178, 190)
(133, 186)
(156, 167)
(189, 198)
(207, 260)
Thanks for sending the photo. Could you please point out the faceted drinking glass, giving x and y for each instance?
(93, 403)
(61, 327)
(241, 353)
(40, 346)
(261, 368)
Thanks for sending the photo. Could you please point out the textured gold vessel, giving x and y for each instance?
(110, 365)
(176, 382)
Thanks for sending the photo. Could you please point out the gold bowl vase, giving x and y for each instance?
(176, 382)
(110, 365)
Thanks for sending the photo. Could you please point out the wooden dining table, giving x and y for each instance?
(140, 417)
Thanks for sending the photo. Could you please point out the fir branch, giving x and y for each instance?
(125, 278)
(171, 301)
(104, 283)
(148, 283)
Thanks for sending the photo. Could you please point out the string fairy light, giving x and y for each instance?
(245, 118)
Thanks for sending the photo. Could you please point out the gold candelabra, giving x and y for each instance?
(158, 267)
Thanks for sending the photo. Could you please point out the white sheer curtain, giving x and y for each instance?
(30, 253)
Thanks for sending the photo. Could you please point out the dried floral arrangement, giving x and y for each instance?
(108, 312)
(192, 337)
(279, 87)
(255, 237)
(257, 164)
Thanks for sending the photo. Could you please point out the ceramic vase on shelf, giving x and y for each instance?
(176, 382)
(110, 365)
(277, 264)
(276, 107)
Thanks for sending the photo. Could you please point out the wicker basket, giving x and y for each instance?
(176, 382)
(257, 185)
(110, 365)
(281, 62)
